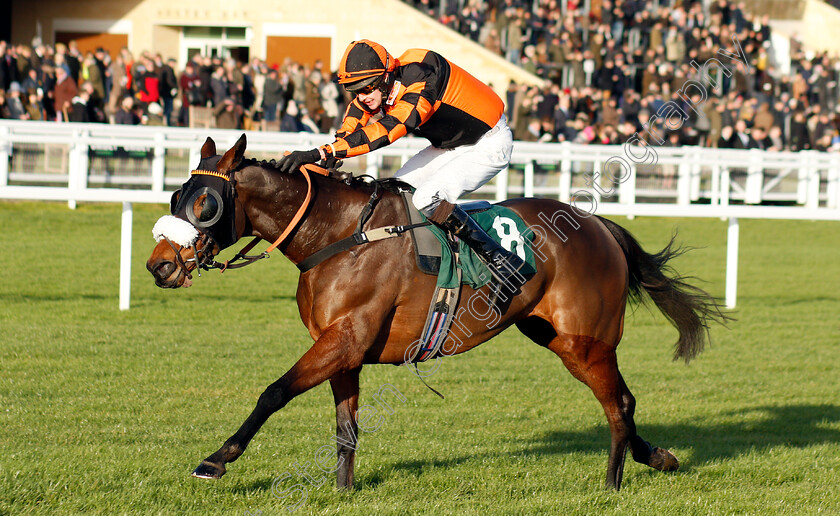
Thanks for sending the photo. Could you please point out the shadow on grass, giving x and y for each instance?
(796, 426)
(763, 427)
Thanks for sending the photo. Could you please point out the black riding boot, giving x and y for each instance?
(503, 265)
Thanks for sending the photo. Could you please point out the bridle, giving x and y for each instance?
(204, 257)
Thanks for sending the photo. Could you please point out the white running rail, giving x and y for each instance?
(136, 164)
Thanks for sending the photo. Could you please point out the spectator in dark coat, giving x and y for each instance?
(799, 134)
(228, 115)
(290, 122)
(78, 111)
(31, 82)
(742, 138)
(126, 115)
(168, 86)
(219, 86)
(17, 111)
(8, 67)
(272, 96)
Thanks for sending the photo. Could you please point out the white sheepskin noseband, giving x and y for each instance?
(178, 230)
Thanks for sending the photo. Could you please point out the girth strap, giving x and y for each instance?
(357, 238)
(346, 243)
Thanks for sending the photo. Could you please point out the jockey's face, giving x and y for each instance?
(372, 100)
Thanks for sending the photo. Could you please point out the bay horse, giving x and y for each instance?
(368, 305)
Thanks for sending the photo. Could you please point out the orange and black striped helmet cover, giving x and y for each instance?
(362, 60)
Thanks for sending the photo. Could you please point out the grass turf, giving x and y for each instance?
(105, 411)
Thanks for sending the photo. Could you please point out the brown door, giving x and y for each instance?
(303, 50)
(90, 41)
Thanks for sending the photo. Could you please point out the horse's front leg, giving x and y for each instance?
(345, 387)
(332, 353)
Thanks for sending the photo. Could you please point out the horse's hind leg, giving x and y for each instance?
(594, 363)
(641, 450)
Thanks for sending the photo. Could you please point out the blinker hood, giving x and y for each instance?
(207, 202)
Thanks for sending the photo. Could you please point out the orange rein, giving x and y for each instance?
(305, 169)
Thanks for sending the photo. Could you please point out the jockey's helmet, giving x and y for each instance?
(364, 63)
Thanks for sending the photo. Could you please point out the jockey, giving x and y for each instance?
(424, 94)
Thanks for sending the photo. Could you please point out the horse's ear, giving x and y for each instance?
(208, 150)
(232, 158)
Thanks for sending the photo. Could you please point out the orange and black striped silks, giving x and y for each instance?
(430, 97)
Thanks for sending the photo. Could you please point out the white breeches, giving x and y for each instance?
(440, 174)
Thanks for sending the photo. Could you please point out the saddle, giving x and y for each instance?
(427, 247)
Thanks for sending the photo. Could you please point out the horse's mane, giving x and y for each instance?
(360, 182)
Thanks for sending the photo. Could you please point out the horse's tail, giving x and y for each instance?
(688, 308)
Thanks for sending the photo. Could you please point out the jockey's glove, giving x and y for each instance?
(293, 161)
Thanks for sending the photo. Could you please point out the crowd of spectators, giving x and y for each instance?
(607, 73)
(609, 70)
(59, 83)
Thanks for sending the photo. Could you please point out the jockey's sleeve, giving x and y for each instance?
(355, 117)
(410, 111)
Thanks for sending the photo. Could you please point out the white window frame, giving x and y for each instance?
(224, 41)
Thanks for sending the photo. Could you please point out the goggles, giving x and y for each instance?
(370, 88)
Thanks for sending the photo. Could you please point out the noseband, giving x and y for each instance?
(203, 259)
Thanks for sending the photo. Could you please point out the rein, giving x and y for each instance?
(242, 254)
(357, 238)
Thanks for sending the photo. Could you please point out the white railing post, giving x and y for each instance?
(565, 172)
(627, 188)
(529, 178)
(374, 163)
(159, 163)
(813, 181)
(74, 168)
(595, 178)
(5, 154)
(725, 178)
(725, 187)
(805, 185)
(715, 193)
(696, 173)
(732, 262)
(195, 156)
(755, 178)
(684, 180)
(502, 185)
(84, 160)
(125, 255)
(833, 186)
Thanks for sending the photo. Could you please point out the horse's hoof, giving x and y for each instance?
(663, 460)
(208, 470)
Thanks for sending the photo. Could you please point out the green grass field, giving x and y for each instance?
(108, 412)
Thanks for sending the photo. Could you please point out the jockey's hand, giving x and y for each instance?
(293, 161)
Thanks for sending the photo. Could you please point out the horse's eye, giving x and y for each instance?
(204, 207)
(207, 208)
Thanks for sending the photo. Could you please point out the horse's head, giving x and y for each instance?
(206, 218)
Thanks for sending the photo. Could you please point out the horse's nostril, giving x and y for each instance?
(164, 270)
